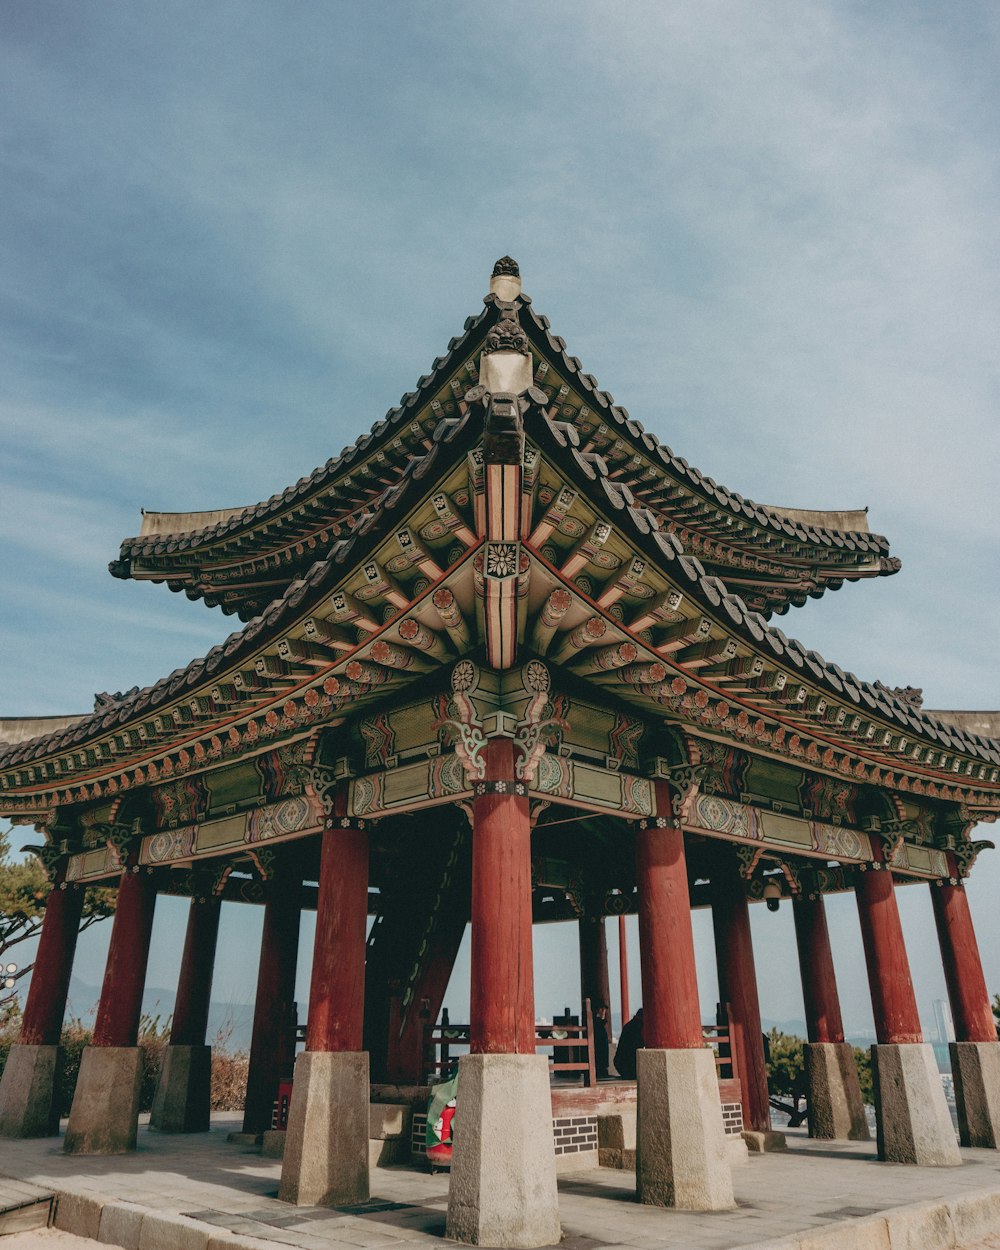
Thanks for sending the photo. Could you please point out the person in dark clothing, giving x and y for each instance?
(602, 1040)
(628, 1043)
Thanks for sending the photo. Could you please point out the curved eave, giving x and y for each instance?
(685, 496)
(982, 724)
(242, 646)
(754, 632)
(17, 729)
(779, 556)
(315, 502)
(958, 757)
(155, 524)
(843, 520)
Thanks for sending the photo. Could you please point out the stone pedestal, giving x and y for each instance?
(681, 1159)
(763, 1143)
(836, 1108)
(976, 1068)
(325, 1162)
(503, 1172)
(105, 1109)
(913, 1121)
(28, 1092)
(183, 1100)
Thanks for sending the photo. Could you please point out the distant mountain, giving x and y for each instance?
(794, 1028)
(229, 1024)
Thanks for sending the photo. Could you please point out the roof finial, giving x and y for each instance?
(506, 266)
(505, 283)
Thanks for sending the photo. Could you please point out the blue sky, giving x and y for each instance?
(232, 235)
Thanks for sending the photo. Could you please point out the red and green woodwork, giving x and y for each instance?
(509, 607)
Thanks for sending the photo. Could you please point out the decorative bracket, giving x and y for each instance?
(892, 834)
(749, 858)
(541, 726)
(119, 837)
(201, 883)
(792, 876)
(535, 809)
(49, 857)
(263, 860)
(221, 876)
(685, 780)
(322, 781)
(465, 728)
(967, 852)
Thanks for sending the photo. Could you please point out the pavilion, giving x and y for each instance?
(506, 659)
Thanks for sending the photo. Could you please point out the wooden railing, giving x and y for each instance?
(571, 1044)
(570, 1041)
(719, 1037)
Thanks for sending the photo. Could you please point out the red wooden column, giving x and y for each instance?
(963, 969)
(41, 1024)
(105, 1109)
(337, 989)
(594, 980)
(120, 1007)
(819, 981)
(893, 1002)
(670, 1009)
(194, 985)
(679, 1131)
(738, 985)
(502, 1005)
(270, 1044)
(623, 969)
(325, 1158)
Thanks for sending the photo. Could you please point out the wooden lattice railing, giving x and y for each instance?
(571, 1043)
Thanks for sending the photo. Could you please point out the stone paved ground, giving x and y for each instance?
(811, 1187)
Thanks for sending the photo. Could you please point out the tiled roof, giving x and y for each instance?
(151, 546)
(750, 626)
(779, 556)
(592, 474)
(319, 578)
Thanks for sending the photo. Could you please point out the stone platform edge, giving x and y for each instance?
(113, 1222)
(944, 1224)
(938, 1224)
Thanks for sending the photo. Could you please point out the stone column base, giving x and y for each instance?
(325, 1162)
(913, 1121)
(28, 1105)
(503, 1169)
(768, 1142)
(836, 1108)
(105, 1111)
(680, 1156)
(183, 1099)
(976, 1069)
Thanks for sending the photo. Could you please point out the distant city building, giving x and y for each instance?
(943, 1022)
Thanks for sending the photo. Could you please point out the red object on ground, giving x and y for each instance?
(442, 1154)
